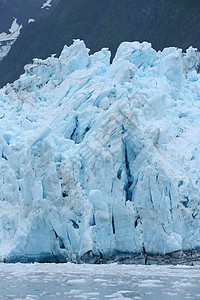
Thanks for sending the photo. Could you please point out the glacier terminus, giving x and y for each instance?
(100, 161)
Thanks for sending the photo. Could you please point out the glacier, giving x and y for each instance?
(99, 160)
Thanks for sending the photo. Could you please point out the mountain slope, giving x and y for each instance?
(22, 10)
(176, 23)
(105, 24)
(17, 14)
(99, 23)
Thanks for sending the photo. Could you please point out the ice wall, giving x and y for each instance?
(101, 160)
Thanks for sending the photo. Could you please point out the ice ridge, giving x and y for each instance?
(101, 160)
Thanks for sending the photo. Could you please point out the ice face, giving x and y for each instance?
(101, 160)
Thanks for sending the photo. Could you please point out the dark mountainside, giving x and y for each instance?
(105, 24)
(23, 10)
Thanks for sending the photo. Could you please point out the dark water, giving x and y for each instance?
(69, 281)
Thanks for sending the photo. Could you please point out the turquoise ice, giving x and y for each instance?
(100, 160)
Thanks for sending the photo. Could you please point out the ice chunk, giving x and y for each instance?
(171, 65)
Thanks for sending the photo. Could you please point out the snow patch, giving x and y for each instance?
(7, 39)
(47, 4)
(31, 21)
(14, 32)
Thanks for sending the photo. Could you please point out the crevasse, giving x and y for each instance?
(101, 161)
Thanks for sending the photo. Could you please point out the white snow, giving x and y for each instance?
(7, 39)
(101, 160)
(31, 21)
(4, 49)
(46, 4)
(14, 32)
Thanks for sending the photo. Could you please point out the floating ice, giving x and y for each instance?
(98, 160)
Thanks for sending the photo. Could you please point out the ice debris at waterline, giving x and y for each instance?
(98, 160)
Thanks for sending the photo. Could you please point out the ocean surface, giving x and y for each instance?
(112, 281)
